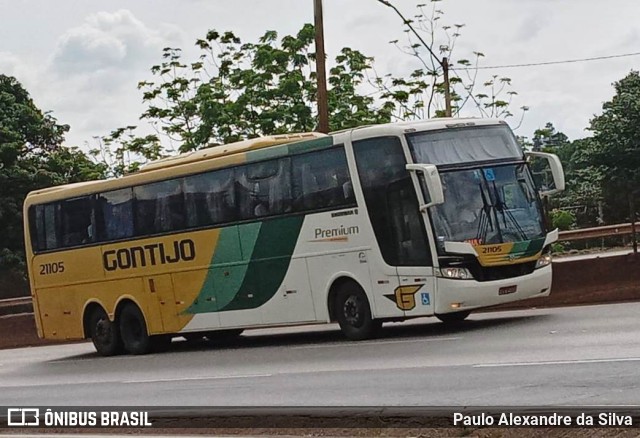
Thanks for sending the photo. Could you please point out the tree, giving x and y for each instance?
(120, 152)
(31, 157)
(615, 151)
(421, 95)
(237, 90)
(549, 138)
(583, 192)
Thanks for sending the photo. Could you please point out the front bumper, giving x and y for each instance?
(471, 294)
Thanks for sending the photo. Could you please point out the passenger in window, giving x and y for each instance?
(261, 209)
(347, 190)
(89, 236)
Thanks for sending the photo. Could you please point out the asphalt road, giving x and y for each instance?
(568, 356)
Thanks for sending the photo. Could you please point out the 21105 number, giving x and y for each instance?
(52, 268)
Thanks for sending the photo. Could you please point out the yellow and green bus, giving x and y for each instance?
(372, 224)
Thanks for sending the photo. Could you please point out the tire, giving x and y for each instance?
(133, 330)
(453, 318)
(104, 334)
(353, 313)
(223, 335)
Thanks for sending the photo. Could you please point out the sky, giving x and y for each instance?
(82, 59)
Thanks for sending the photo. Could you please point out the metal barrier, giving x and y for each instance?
(595, 232)
(16, 305)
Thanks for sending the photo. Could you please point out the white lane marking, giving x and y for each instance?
(364, 343)
(178, 379)
(556, 362)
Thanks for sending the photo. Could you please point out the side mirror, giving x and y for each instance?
(431, 181)
(556, 171)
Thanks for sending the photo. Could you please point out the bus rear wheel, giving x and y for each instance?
(453, 318)
(133, 330)
(104, 334)
(353, 313)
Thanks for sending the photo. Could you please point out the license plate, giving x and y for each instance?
(507, 290)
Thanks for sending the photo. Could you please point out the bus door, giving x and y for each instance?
(416, 283)
(390, 194)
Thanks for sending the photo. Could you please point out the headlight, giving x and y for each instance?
(543, 261)
(453, 272)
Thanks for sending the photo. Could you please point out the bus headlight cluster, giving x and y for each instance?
(454, 272)
(543, 261)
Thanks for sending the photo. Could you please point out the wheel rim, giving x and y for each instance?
(353, 311)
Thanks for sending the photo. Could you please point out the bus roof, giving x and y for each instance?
(228, 149)
(227, 154)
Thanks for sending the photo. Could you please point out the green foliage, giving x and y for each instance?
(119, 152)
(562, 220)
(31, 157)
(557, 248)
(615, 151)
(583, 193)
(237, 90)
(549, 139)
(601, 172)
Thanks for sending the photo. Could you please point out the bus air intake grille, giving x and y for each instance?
(494, 273)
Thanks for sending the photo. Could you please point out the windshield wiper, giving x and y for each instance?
(485, 221)
(501, 207)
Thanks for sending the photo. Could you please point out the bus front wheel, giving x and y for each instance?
(453, 318)
(353, 313)
(104, 333)
(133, 330)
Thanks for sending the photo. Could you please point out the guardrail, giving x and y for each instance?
(16, 305)
(595, 232)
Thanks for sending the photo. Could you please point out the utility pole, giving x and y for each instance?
(321, 75)
(447, 87)
(444, 63)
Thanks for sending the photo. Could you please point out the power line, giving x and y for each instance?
(568, 61)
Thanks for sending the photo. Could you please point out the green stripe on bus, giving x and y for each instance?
(289, 149)
(310, 145)
(269, 263)
(535, 246)
(228, 268)
(248, 234)
(254, 278)
(527, 248)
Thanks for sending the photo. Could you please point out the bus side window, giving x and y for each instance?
(36, 227)
(51, 226)
(321, 180)
(408, 234)
(210, 198)
(391, 202)
(264, 188)
(159, 207)
(114, 215)
(77, 221)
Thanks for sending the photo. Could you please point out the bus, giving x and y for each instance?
(367, 225)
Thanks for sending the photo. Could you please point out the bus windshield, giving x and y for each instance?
(485, 205)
